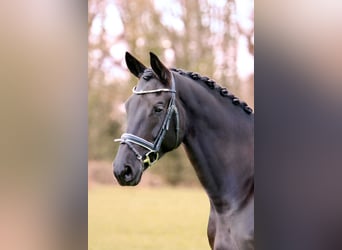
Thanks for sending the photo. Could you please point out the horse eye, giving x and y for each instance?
(158, 109)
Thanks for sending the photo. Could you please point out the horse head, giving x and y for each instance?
(152, 120)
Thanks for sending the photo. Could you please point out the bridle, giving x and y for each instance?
(153, 148)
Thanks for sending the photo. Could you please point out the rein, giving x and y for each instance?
(153, 148)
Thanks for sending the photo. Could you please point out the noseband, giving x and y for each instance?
(153, 148)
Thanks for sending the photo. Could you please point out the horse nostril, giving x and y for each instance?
(127, 172)
(124, 173)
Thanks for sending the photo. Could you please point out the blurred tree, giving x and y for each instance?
(101, 128)
(103, 91)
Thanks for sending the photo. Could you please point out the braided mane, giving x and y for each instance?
(213, 85)
(148, 74)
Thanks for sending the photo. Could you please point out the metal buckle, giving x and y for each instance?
(147, 161)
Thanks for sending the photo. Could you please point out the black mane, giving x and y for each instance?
(148, 74)
(213, 85)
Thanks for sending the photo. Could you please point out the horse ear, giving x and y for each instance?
(134, 65)
(160, 69)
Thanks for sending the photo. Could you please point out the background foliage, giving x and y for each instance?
(209, 37)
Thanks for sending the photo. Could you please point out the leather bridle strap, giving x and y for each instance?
(153, 148)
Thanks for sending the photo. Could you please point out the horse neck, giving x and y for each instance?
(219, 141)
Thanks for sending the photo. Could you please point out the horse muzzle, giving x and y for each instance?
(126, 174)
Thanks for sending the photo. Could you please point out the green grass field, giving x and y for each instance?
(139, 218)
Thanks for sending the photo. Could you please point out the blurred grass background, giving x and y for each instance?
(148, 218)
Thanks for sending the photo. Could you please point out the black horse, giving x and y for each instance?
(171, 106)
